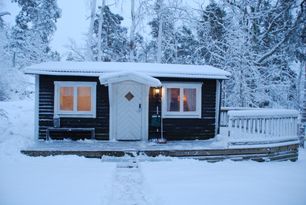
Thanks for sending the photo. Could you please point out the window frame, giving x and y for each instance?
(74, 113)
(182, 113)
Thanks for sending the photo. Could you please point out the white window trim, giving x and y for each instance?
(181, 113)
(74, 113)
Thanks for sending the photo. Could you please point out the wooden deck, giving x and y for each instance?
(203, 150)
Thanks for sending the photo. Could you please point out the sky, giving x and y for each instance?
(74, 21)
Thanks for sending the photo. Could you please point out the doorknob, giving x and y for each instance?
(139, 107)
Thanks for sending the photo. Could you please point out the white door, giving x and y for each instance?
(129, 110)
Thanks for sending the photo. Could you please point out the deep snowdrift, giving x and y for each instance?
(75, 180)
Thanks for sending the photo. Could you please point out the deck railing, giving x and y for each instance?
(224, 114)
(223, 117)
(262, 125)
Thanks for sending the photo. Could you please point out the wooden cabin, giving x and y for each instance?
(126, 101)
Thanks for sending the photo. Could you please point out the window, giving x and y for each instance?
(181, 100)
(75, 99)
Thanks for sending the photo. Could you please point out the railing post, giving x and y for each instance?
(287, 127)
(267, 127)
(229, 127)
(278, 121)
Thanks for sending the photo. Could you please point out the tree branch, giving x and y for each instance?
(289, 33)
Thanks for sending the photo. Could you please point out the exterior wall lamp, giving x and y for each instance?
(156, 92)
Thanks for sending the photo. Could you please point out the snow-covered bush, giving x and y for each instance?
(14, 84)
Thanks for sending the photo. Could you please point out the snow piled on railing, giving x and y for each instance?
(263, 112)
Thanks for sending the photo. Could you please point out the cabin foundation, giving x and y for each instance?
(202, 150)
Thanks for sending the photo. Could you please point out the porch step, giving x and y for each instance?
(128, 164)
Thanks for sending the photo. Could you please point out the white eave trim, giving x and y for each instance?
(110, 78)
(97, 74)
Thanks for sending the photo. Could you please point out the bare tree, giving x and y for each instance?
(75, 52)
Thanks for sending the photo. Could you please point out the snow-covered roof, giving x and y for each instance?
(151, 69)
(115, 77)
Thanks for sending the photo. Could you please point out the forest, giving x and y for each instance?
(261, 42)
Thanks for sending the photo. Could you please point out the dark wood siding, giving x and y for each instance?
(175, 129)
(186, 128)
(46, 109)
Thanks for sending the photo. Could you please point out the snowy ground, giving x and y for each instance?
(76, 180)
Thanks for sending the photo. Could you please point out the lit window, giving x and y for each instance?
(84, 98)
(181, 100)
(190, 99)
(75, 99)
(173, 99)
(66, 98)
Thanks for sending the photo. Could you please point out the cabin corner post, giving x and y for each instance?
(218, 106)
(111, 112)
(145, 129)
(36, 108)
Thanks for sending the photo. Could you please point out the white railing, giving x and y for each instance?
(264, 125)
(224, 116)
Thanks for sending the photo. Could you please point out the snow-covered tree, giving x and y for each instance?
(140, 9)
(163, 30)
(13, 83)
(186, 45)
(211, 35)
(114, 43)
(35, 25)
(257, 52)
(3, 13)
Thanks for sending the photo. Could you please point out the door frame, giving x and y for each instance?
(112, 90)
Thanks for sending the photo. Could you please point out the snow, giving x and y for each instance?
(54, 180)
(16, 125)
(136, 76)
(77, 180)
(92, 145)
(193, 182)
(44, 180)
(264, 112)
(14, 85)
(152, 69)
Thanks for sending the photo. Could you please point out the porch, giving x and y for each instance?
(260, 134)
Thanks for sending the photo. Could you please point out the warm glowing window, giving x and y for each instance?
(84, 98)
(190, 99)
(66, 98)
(173, 99)
(75, 99)
(182, 100)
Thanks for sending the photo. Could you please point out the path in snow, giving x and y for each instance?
(128, 185)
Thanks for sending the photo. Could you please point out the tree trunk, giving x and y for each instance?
(100, 32)
(132, 31)
(160, 32)
(93, 4)
(301, 101)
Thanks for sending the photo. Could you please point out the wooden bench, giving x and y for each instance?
(53, 129)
